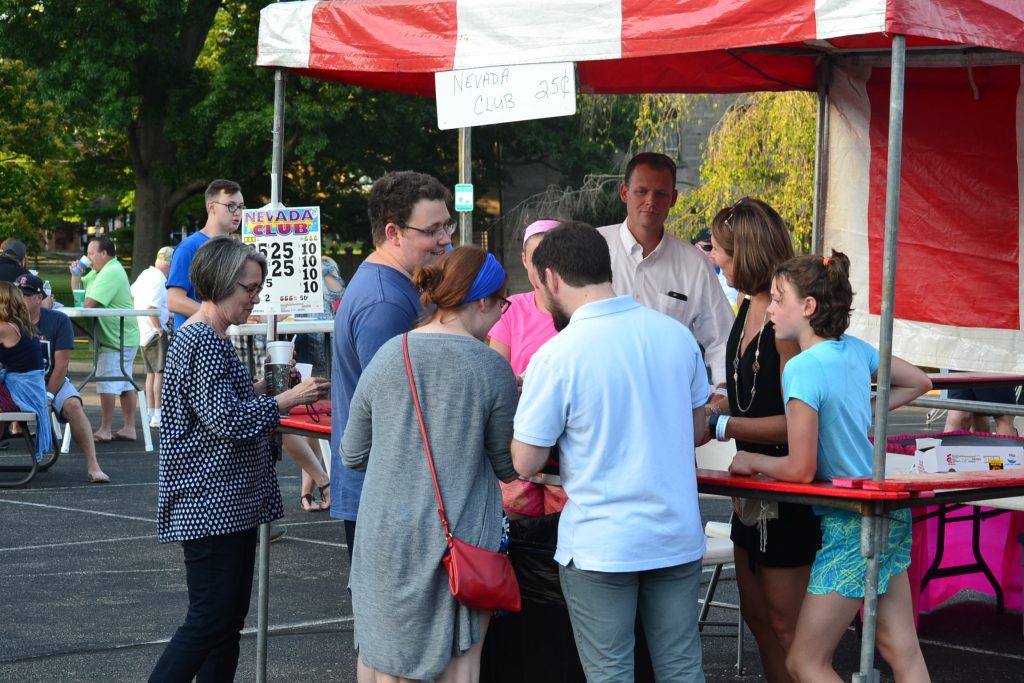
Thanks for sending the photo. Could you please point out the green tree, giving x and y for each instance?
(166, 89)
(163, 97)
(127, 67)
(36, 158)
(762, 147)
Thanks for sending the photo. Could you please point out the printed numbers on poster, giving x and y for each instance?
(289, 239)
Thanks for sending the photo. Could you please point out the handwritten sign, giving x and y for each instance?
(477, 97)
(289, 238)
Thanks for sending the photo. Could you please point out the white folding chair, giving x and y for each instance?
(718, 554)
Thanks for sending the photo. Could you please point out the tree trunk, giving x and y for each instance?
(153, 213)
(156, 198)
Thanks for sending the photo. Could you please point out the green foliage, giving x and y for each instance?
(161, 97)
(762, 147)
(123, 239)
(35, 157)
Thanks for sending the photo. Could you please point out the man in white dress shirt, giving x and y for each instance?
(661, 270)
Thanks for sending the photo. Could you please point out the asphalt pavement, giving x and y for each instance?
(88, 594)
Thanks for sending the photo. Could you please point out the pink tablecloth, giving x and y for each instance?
(999, 547)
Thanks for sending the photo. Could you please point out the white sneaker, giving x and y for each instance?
(154, 421)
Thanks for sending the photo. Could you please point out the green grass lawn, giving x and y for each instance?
(60, 281)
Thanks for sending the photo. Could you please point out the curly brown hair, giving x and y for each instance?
(827, 281)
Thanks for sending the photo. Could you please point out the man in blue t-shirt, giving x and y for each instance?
(411, 228)
(224, 207)
(57, 341)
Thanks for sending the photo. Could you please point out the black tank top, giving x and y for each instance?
(767, 399)
(24, 356)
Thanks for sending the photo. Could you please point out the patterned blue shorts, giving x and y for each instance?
(839, 566)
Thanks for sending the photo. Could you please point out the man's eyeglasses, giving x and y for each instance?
(505, 305)
(704, 246)
(231, 206)
(251, 290)
(437, 232)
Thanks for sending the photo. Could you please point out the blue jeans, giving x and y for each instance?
(218, 572)
(603, 608)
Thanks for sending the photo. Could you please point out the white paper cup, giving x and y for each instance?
(304, 370)
(280, 352)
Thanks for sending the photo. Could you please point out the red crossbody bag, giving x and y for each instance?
(478, 578)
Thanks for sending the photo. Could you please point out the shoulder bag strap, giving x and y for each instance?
(423, 432)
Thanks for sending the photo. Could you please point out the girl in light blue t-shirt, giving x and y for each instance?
(827, 392)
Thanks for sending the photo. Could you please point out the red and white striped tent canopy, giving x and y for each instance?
(960, 278)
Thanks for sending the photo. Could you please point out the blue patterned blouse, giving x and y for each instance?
(216, 467)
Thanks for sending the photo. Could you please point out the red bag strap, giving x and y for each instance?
(423, 432)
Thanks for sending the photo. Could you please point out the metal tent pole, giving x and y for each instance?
(875, 529)
(263, 594)
(821, 158)
(465, 176)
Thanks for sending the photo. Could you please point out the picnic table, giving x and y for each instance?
(86, 319)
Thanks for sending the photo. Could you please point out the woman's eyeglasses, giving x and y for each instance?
(505, 305)
(251, 290)
(704, 246)
(732, 212)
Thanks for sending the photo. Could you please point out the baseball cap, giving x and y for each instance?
(29, 284)
(164, 255)
(702, 236)
(15, 249)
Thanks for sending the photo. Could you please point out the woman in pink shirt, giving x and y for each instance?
(517, 335)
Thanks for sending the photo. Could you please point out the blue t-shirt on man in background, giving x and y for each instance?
(181, 261)
(379, 303)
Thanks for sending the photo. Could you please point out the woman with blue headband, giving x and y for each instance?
(407, 624)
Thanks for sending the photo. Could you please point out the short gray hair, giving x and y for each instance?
(219, 264)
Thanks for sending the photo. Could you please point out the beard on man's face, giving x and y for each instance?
(558, 315)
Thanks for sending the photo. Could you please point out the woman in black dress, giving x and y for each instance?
(773, 556)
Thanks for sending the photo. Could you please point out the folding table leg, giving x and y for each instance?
(325, 450)
(65, 444)
(144, 413)
(63, 435)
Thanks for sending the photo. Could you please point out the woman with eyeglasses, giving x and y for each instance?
(773, 555)
(216, 480)
(407, 624)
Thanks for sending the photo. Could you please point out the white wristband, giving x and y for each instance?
(720, 428)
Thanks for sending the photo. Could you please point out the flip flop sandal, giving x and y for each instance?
(308, 503)
(323, 500)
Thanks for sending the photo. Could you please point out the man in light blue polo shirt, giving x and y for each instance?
(621, 391)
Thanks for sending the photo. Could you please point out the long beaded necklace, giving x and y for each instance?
(755, 367)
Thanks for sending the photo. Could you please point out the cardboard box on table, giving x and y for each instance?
(933, 456)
